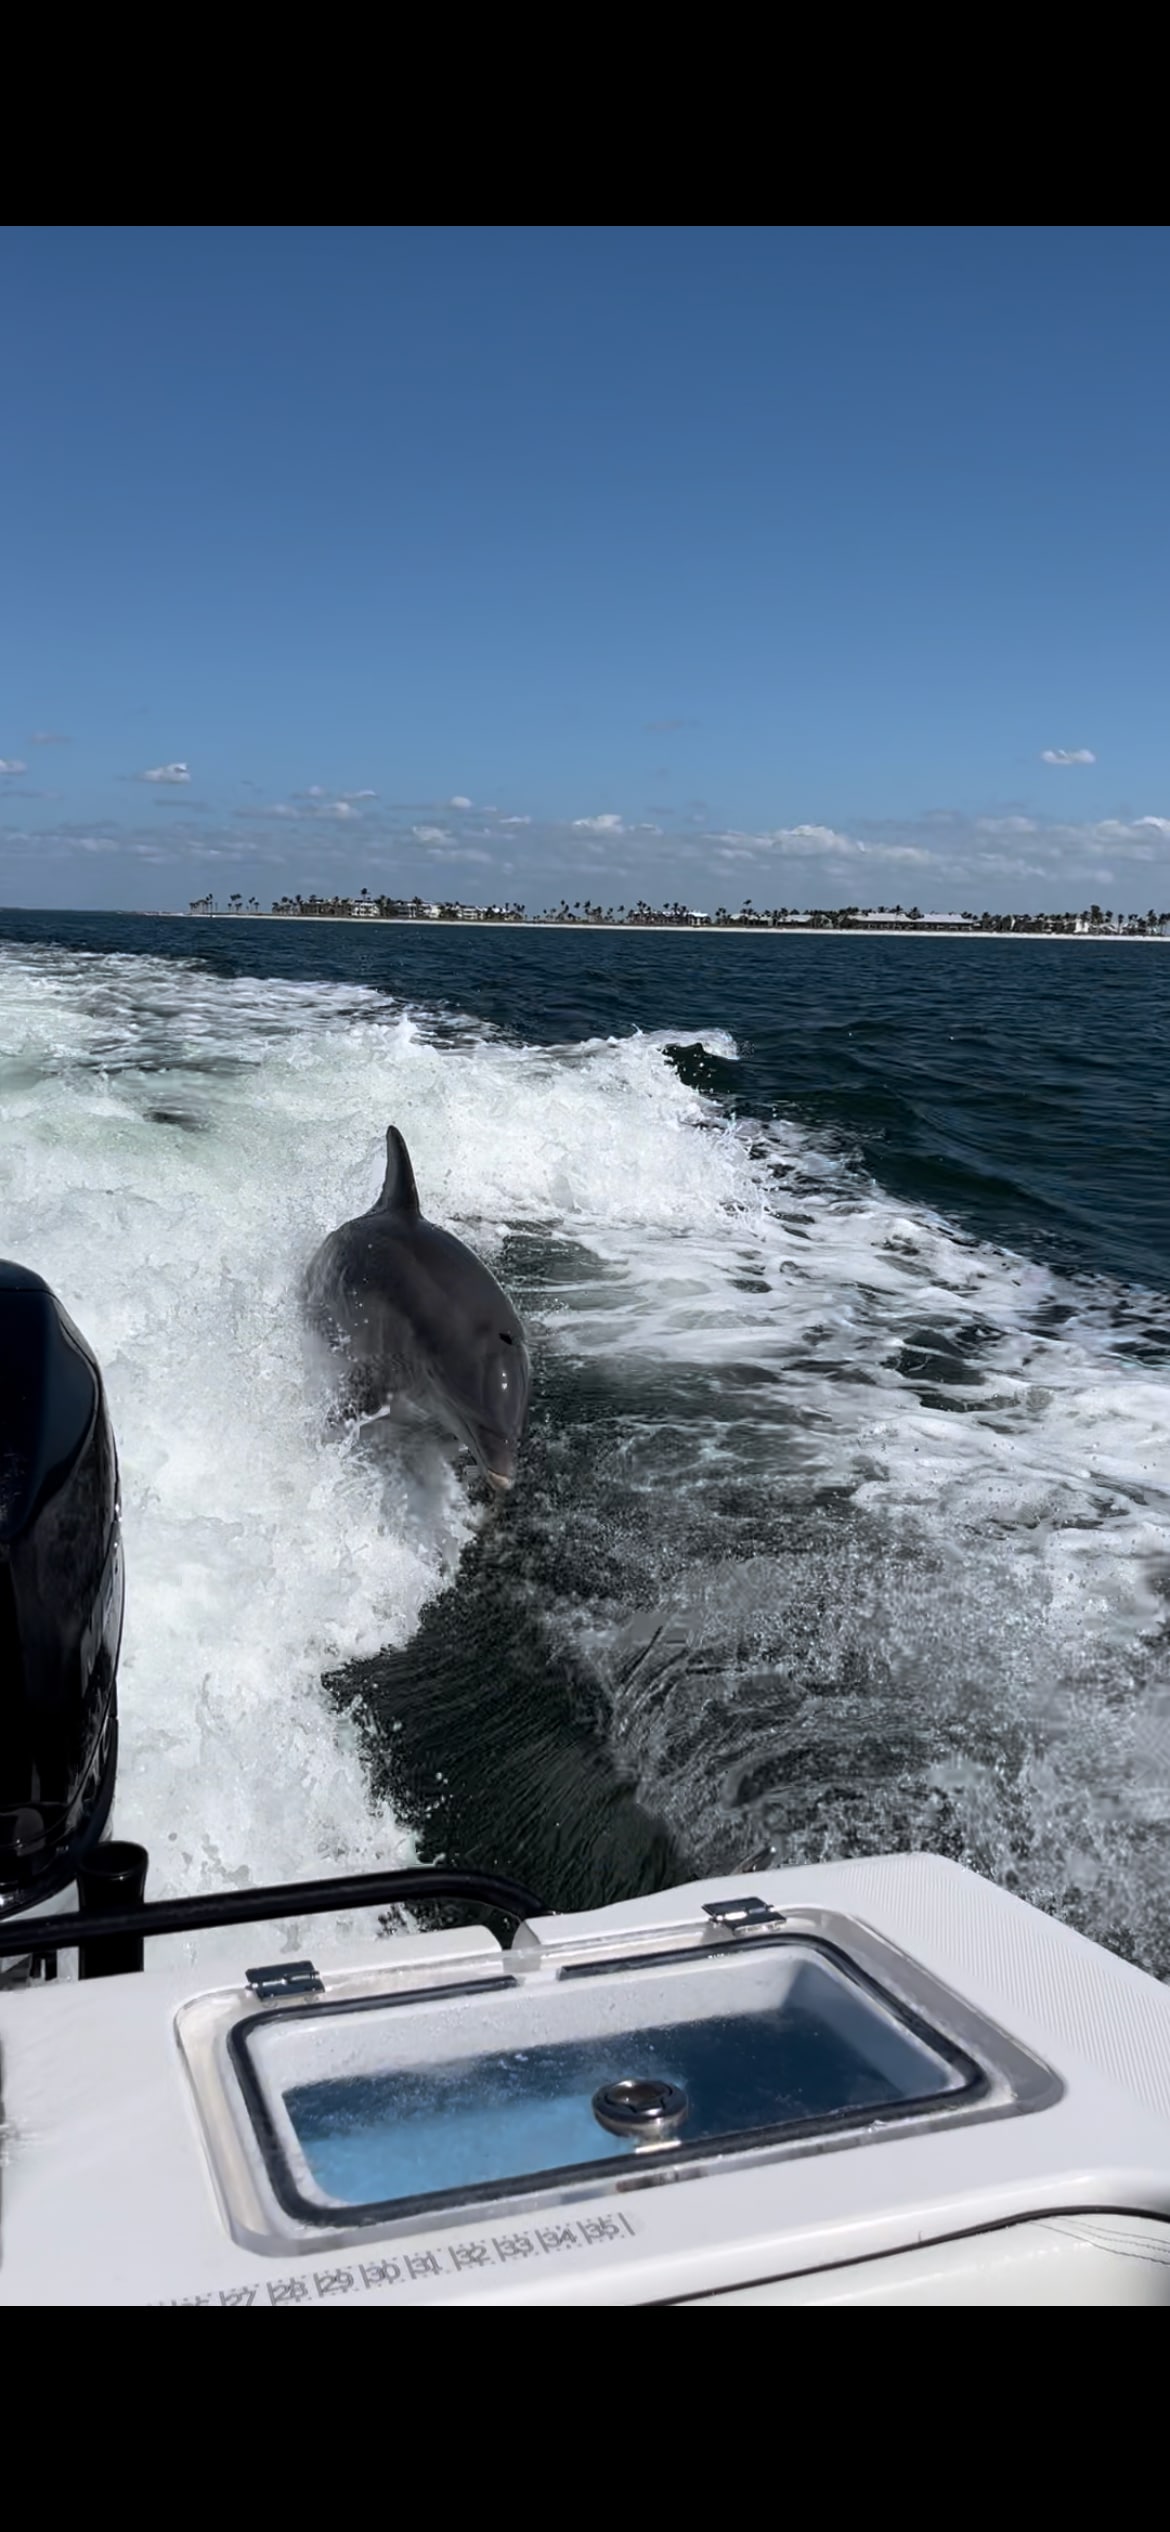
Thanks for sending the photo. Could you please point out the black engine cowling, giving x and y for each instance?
(61, 1592)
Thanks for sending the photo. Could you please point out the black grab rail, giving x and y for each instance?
(34, 1937)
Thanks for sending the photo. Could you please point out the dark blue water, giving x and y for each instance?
(845, 1514)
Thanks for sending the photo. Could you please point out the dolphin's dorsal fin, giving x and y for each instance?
(399, 1193)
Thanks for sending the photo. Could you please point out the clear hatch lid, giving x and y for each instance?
(380, 2107)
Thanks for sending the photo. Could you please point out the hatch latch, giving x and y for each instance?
(284, 1978)
(742, 1916)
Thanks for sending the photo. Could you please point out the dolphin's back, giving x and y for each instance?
(379, 1268)
(419, 1315)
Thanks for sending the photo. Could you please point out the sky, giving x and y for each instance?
(812, 566)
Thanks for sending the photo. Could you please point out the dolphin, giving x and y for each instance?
(422, 1322)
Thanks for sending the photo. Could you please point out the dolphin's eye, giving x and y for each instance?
(505, 1339)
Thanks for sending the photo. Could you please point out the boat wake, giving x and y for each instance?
(837, 1531)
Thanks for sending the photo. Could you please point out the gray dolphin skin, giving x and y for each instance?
(419, 1318)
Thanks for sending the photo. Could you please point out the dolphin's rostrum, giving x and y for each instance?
(420, 1320)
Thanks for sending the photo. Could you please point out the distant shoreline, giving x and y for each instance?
(637, 931)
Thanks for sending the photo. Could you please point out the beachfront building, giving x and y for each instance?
(896, 919)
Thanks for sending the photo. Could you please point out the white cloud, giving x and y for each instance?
(431, 834)
(1135, 840)
(608, 823)
(1053, 860)
(459, 800)
(1003, 866)
(166, 773)
(320, 791)
(1067, 756)
(515, 822)
(318, 802)
(12, 765)
(900, 853)
(826, 843)
(809, 840)
(459, 853)
(48, 738)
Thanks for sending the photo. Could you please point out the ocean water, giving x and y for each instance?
(844, 1515)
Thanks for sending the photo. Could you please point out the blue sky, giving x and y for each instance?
(501, 562)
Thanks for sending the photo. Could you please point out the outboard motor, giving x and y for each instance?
(61, 1592)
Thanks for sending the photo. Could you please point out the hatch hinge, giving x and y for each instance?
(284, 1978)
